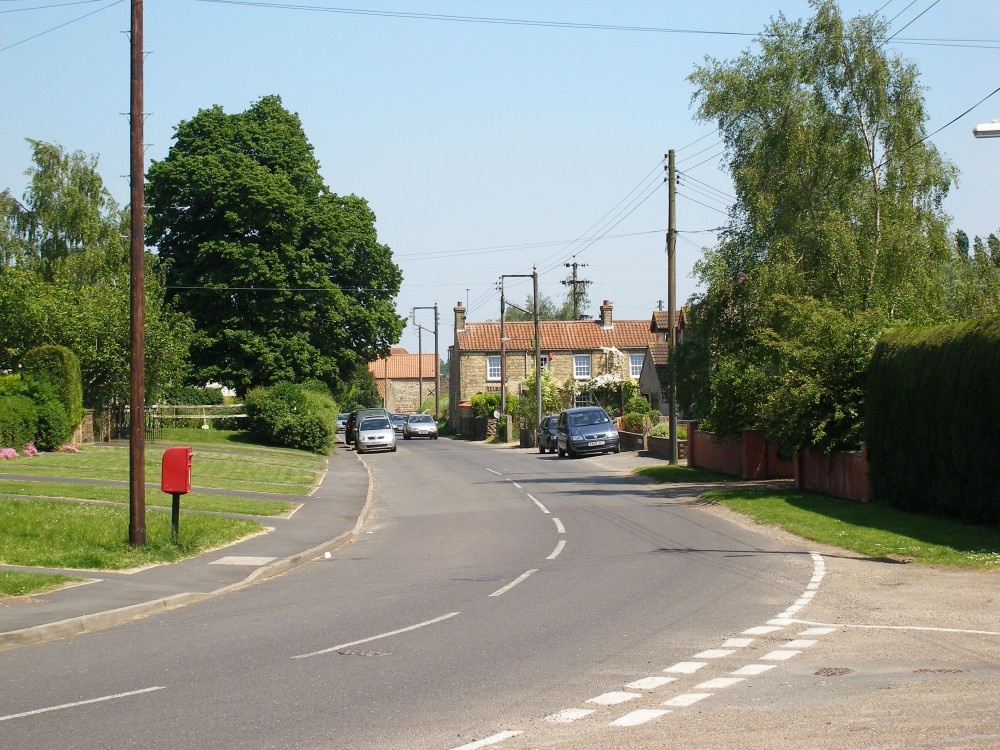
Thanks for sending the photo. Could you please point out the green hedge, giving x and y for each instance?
(933, 420)
(58, 369)
(293, 415)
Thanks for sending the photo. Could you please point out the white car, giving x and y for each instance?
(375, 433)
(420, 425)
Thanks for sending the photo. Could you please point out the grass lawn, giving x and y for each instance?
(868, 528)
(49, 534)
(42, 526)
(681, 474)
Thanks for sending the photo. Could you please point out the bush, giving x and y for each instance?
(636, 405)
(18, 421)
(634, 422)
(57, 368)
(189, 395)
(291, 415)
(54, 428)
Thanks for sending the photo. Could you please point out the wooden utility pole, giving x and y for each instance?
(575, 283)
(672, 299)
(137, 323)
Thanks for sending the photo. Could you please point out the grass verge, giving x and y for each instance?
(51, 526)
(16, 583)
(868, 528)
(191, 501)
(49, 534)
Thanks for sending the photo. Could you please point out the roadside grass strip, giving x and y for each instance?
(868, 528)
(50, 534)
(18, 583)
(120, 495)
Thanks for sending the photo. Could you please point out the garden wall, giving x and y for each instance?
(748, 457)
(839, 474)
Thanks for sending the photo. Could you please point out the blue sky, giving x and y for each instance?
(483, 148)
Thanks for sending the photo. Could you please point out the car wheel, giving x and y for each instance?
(393, 449)
(541, 448)
(618, 449)
(562, 453)
(434, 437)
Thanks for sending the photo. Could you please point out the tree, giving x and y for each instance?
(284, 279)
(838, 208)
(65, 281)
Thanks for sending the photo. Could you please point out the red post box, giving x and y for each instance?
(175, 475)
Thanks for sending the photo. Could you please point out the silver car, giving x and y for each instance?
(375, 433)
(420, 425)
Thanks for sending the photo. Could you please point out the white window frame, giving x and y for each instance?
(635, 370)
(582, 363)
(493, 367)
(544, 358)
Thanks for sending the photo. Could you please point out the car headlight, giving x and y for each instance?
(576, 438)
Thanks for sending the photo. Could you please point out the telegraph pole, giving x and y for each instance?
(672, 299)
(575, 294)
(137, 298)
(538, 349)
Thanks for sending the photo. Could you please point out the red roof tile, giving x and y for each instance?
(401, 365)
(556, 335)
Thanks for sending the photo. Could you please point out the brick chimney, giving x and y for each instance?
(459, 318)
(606, 315)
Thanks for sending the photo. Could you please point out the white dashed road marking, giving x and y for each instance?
(641, 716)
(80, 703)
(512, 584)
(487, 741)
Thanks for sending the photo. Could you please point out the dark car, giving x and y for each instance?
(398, 420)
(351, 428)
(585, 430)
(545, 436)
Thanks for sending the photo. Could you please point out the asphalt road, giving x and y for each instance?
(499, 598)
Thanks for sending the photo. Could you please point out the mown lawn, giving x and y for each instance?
(79, 525)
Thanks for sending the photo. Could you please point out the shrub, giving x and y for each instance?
(58, 369)
(636, 405)
(634, 422)
(18, 420)
(53, 426)
(292, 415)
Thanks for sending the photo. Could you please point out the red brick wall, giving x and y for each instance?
(839, 474)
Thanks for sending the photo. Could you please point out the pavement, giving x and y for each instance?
(326, 519)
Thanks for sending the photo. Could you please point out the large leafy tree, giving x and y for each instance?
(65, 280)
(284, 279)
(837, 228)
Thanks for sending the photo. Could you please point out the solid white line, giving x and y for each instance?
(900, 627)
(377, 637)
(487, 741)
(542, 507)
(80, 703)
(557, 550)
(641, 716)
(513, 583)
(559, 527)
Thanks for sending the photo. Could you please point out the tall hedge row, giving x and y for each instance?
(59, 369)
(933, 420)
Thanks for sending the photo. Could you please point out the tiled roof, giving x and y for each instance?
(661, 361)
(661, 321)
(401, 365)
(556, 335)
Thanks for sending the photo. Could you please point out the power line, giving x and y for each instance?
(60, 26)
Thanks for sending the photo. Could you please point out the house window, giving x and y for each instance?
(581, 366)
(493, 367)
(582, 399)
(544, 361)
(635, 365)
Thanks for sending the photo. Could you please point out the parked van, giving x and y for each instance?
(585, 430)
